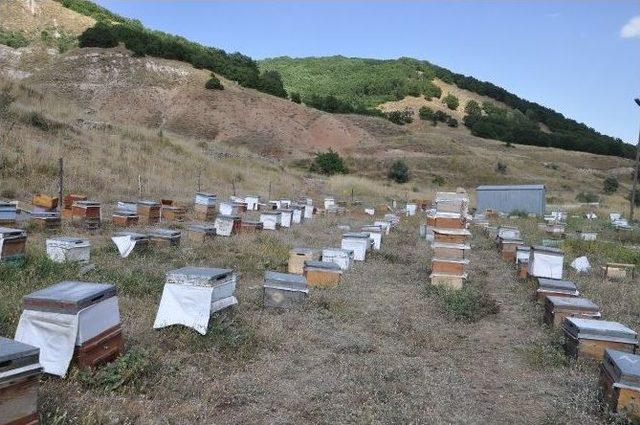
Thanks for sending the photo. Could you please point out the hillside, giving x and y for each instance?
(366, 83)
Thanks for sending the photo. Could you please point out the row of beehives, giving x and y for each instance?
(447, 232)
(80, 321)
(586, 335)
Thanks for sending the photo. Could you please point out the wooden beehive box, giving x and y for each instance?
(205, 212)
(342, 257)
(46, 220)
(12, 244)
(61, 249)
(286, 217)
(148, 212)
(201, 233)
(165, 237)
(86, 214)
(375, 234)
(450, 251)
(67, 204)
(45, 201)
(446, 220)
(557, 308)
(508, 248)
(125, 218)
(99, 333)
(142, 241)
(227, 225)
(448, 280)
(618, 271)
(297, 257)
(322, 274)
(546, 262)
(555, 287)
(250, 226)
(170, 210)
(522, 261)
(358, 243)
(19, 381)
(270, 220)
(458, 236)
(449, 266)
(589, 338)
(283, 290)
(8, 213)
(620, 382)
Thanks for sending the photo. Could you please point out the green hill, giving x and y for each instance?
(365, 83)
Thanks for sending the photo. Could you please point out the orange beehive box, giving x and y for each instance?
(322, 274)
(45, 201)
(449, 266)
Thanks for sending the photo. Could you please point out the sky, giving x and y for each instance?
(579, 57)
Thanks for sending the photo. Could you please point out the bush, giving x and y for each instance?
(452, 122)
(399, 172)
(431, 90)
(473, 108)
(128, 369)
(214, 83)
(270, 82)
(610, 185)
(426, 113)
(441, 116)
(438, 180)
(451, 101)
(13, 39)
(400, 117)
(468, 304)
(501, 168)
(328, 163)
(295, 97)
(588, 197)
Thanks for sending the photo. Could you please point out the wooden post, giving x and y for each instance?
(199, 175)
(233, 185)
(351, 196)
(269, 198)
(139, 186)
(61, 184)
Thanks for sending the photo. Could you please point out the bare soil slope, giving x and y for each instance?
(33, 16)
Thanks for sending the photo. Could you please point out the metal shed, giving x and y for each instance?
(528, 198)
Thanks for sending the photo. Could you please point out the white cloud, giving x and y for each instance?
(631, 29)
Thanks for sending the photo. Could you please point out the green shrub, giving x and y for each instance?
(473, 108)
(426, 113)
(438, 180)
(501, 168)
(441, 116)
(128, 369)
(295, 97)
(270, 82)
(451, 101)
(214, 83)
(431, 90)
(610, 185)
(13, 39)
(452, 122)
(328, 163)
(399, 172)
(469, 304)
(400, 117)
(588, 197)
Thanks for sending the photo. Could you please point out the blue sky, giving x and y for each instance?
(572, 56)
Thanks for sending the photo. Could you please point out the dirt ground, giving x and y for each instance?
(379, 348)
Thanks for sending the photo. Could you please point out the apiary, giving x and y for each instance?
(45, 202)
(72, 320)
(128, 242)
(67, 204)
(308, 211)
(125, 218)
(201, 233)
(286, 217)
(375, 234)
(386, 226)
(508, 248)
(270, 220)
(329, 202)
(359, 243)
(342, 257)
(20, 373)
(12, 244)
(452, 251)
(297, 257)
(227, 225)
(170, 210)
(62, 249)
(322, 274)
(148, 212)
(556, 287)
(297, 216)
(448, 280)
(86, 214)
(192, 294)
(205, 206)
(252, 202)
(557, 308)
(250, 226)
(284, 290)
(522, 261)
(446, 220)
(546, 262)
(459, 236)
(410, 209)
(589, 338)
(8, 213)
(620, 382)
(164, 237)
(449, 266)
(46, 220)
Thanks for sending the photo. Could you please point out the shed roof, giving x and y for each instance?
(512, 187)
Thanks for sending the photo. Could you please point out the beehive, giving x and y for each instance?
(556, 287)
(618, 271)
(297, 257)
(508, 248)
(297, 216)
(125, 218)
(19, 381)
(172, 211)
(250, 226)
(342, 257)
(201, 233)
(46, 220)
(252, 202)
(286, 216)
(451, 251)
(449, 266)
(67, 204)
(204, 212)
(508, 232)
(620, 382)
(148, 212)
(45, 201)
(322, 274)
(283, 290)
(458, 236)
(359, 243)
(448, 280)
(165, 237)
(227, 225)
(375, 234)
(546, 262)
(446, 220)
(86, 214)
(12, 244)
(522, 261)
(62, 249)
(589, 338)
(557, 308)
(8, 213)
(270, 220)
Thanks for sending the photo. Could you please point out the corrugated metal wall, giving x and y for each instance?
(531, 201)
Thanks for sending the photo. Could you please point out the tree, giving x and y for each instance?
(473, 108)
(295, 97)
(427, 114)
(100, 35)
(399, 172)
(328, 163)
(452, 122)
(400, 117)
(610, 185)
(214, 83)
(451, 101)
(271, 82)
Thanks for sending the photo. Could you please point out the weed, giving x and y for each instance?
(469, 304)
(126, 370)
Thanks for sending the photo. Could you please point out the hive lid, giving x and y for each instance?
(512, 240)
(573, 303)
(164, 233)
(371, 228)
(303, 251)
(546, 250)
(324, 265)
(206, 194)
(452, 232)
(444, 214)
(447, 260)
(11, 350)
(148, 203)
(356, 235)
(251, 223)
(599, 329)
(7, 232)
(556, 284)
(85, 203)
(285, 281)
(337, 251)
(269, 213)
(69, 240)
(228, 217)
(133, 235)
(202, 228)
(622, 367)
(45, 214)
(200, 273)
(68, 297)
(447, 245)
(523, 248)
